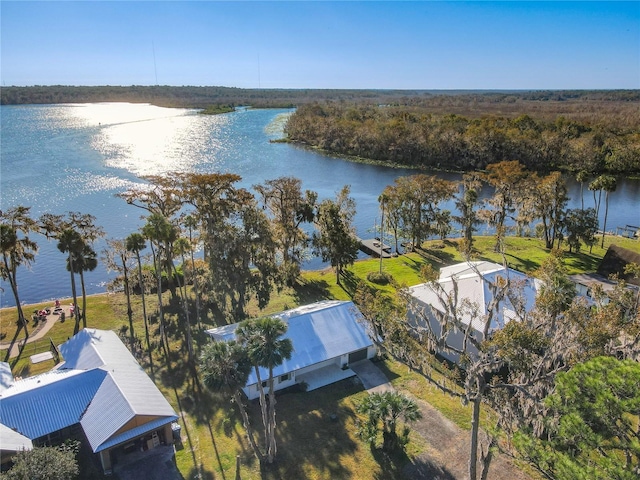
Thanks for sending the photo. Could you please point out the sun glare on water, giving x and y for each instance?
(105, 114)
(148, 140)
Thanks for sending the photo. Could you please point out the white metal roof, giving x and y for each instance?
(6, 377)
(474, 282)
(12, 441)
(126, 393)
(590, 280)
(318, 332)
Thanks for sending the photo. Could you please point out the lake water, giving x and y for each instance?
(60, 158)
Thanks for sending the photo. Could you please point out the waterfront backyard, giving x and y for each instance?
(316, 430)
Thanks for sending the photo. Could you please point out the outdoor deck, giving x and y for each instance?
(372, 246)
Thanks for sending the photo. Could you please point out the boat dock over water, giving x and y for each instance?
(375, 248)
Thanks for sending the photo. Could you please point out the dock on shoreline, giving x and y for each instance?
(373, 247)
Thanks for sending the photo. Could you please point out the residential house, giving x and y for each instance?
(474, 285)
(612, 264)
(99, 391)
(326, 336)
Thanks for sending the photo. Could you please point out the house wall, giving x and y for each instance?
(455, 339)
(165, 436)
(583, 290)
(252, 392)
(136, 421)
(316, 366)
(371, 352)
(105, 460)
(587, 292)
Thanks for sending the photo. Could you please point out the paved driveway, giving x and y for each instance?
(156, 464)
(372, 378)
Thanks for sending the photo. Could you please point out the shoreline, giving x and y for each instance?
(69, 300)
(63, 301)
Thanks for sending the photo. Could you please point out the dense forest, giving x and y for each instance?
(590, 136)
(621, 105)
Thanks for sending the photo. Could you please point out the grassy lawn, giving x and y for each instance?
(312, 444)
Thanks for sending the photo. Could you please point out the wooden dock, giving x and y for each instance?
(373, 247)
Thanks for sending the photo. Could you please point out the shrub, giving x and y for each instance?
(379, 278)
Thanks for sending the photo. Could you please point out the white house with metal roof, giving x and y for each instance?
(99, 389)
(473, 284)
(326, 336)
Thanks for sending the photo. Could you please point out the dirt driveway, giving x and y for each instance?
(447, 454)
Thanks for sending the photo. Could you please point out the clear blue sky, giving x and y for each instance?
(316, 44)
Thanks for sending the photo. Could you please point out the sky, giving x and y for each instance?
(317, 44)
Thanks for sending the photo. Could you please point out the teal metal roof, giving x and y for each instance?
(46, 403)
(100, 385)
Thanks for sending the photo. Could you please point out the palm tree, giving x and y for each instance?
(191, 223)
(85, 261)
(608, 184)
(70, 242)
(596, 186)
(181, 246)
(135, 243)
(382, 199)
(74, 232)
(582, 177)
(159, 231)
(117, 257)
(386, 407)
(225, 366)
(247, 333)
(16, 251)
(267, 349)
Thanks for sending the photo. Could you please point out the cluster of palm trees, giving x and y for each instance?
(17, 249)
(226, 366)
(384, 409)
(75, 234)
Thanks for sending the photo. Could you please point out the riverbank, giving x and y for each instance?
(522, 253)
(77, 156)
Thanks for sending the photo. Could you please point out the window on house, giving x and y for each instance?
(284, 378)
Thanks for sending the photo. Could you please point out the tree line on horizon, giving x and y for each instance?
(612, 107)
(191, 96)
